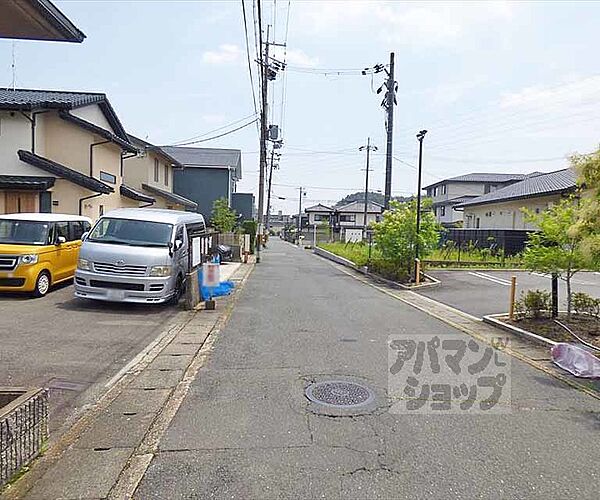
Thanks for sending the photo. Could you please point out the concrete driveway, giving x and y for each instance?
(74, 347)
(481, 292)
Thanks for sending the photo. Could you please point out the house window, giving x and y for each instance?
(321, 217)
(166, 175)
(443, 189)
(442, 210)
(435, 191)
(348, 218)
(156, 178)
(106, 177)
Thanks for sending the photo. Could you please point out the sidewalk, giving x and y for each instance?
(106, 451)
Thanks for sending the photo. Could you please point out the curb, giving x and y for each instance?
(363, 270)
(493, 319)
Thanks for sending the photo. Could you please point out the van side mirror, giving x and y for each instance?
(178, 244)
(61, 240)
(84, 236)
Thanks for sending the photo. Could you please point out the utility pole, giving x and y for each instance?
(299, 226)
(264, 62)
(368, 148)
(271, 167)
(390, 101)
(420, 137)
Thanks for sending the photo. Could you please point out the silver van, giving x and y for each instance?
(136, 255)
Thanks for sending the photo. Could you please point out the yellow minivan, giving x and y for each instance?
(39, 250)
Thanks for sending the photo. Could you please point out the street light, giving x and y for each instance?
(420, 137)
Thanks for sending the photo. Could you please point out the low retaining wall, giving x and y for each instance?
(23, 428)
(345, 262)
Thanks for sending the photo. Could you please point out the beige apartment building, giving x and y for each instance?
(149, 175)
(61, 152)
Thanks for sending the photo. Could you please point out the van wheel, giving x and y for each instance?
(42, 284)
(178, 291)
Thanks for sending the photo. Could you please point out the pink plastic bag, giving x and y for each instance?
(576, 360)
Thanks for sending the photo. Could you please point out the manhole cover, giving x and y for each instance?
(339, 394)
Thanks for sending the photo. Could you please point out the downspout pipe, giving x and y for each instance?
(81, 200)
(32, 121)
(125, 156)
(92, 155)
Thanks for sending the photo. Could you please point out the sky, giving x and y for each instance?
(500, 86)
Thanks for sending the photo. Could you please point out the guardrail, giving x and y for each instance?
(23, 428)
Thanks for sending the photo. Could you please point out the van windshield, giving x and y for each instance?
(24, 232)
(131, 232)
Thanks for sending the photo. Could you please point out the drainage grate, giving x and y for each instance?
(339, 394)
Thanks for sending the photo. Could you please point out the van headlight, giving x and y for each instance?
(83, 264)
(160, 271)
(29, 259)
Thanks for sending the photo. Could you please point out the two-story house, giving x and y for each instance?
(448, 193)
(319, 214)
(350, 218)
(504, 208)
(61, 152)
(207, 174)
(148, 178)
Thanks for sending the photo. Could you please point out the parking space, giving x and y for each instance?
(74, 347)
(481, 292)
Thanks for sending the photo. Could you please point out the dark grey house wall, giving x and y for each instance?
(202, 185)
(243, 203)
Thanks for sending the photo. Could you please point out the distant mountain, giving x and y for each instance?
(372, 197)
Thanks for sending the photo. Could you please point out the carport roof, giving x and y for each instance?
(36, 20)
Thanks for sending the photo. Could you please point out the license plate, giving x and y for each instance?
(116, 294)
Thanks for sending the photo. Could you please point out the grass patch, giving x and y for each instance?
(473, 257)
(354, 252)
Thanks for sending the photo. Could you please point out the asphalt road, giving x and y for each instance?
(246, 430)
(72, 346)
(481, 292)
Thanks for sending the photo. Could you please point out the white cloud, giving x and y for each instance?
(425, 24)
(226, 54)
(564, 95)
(297, 57)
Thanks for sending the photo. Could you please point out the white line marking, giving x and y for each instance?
(493, 279)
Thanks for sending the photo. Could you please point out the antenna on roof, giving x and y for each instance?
(14, 66)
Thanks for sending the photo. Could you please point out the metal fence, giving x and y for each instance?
(23, 428)
(509, 241)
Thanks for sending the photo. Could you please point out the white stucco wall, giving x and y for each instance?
(93, 114)
(15, 134)
(507, 215)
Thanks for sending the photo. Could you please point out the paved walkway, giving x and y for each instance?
(246, 430)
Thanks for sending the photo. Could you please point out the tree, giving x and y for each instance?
(396, 234)
(372, 196)
(223, 218)
(587, 226)
(555, 249)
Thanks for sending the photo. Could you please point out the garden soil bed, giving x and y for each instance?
(583, 326)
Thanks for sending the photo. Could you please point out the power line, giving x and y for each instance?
(177, 143)
(248, 57)
(217, 136)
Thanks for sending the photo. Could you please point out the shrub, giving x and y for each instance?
(586, 304)
(388, 270)
(533, 303)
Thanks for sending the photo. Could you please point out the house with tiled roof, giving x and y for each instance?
(504, 208)
(448, 193)
(62, 152)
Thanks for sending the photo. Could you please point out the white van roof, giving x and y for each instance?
(156, 215)
(43, 217)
